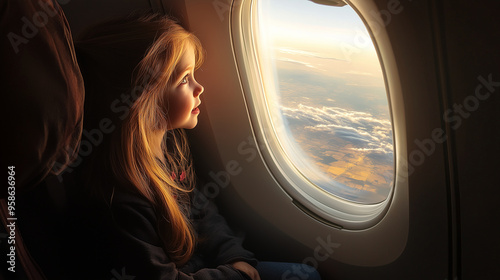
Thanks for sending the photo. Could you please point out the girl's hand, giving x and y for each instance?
(247, 269)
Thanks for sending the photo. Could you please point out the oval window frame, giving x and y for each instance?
(314, 201)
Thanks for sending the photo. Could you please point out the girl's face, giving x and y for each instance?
(183, 96)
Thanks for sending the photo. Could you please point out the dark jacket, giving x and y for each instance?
(94, 240)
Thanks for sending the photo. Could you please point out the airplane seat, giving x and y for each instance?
(43, 97)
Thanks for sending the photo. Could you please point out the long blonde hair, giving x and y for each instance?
(164, 182)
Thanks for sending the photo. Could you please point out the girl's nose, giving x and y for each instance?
(198, 90)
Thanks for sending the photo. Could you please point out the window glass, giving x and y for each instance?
(328, 101)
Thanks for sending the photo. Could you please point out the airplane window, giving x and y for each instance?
(326, 97)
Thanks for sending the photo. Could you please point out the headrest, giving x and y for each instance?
(42, 90)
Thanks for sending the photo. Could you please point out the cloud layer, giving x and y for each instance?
(361, 129)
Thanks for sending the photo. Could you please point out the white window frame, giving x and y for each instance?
(316, 202)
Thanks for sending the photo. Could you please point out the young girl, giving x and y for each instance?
(131, 213)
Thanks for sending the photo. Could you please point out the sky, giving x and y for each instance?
(303, 32)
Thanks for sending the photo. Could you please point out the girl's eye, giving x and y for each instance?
(184, 80)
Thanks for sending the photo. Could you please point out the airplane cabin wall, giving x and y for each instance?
(472, 72)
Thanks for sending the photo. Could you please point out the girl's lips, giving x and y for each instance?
(195, 111)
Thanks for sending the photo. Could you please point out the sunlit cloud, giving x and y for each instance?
(352, 72)
(363, 130)
(307, 54)
(297, 62)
